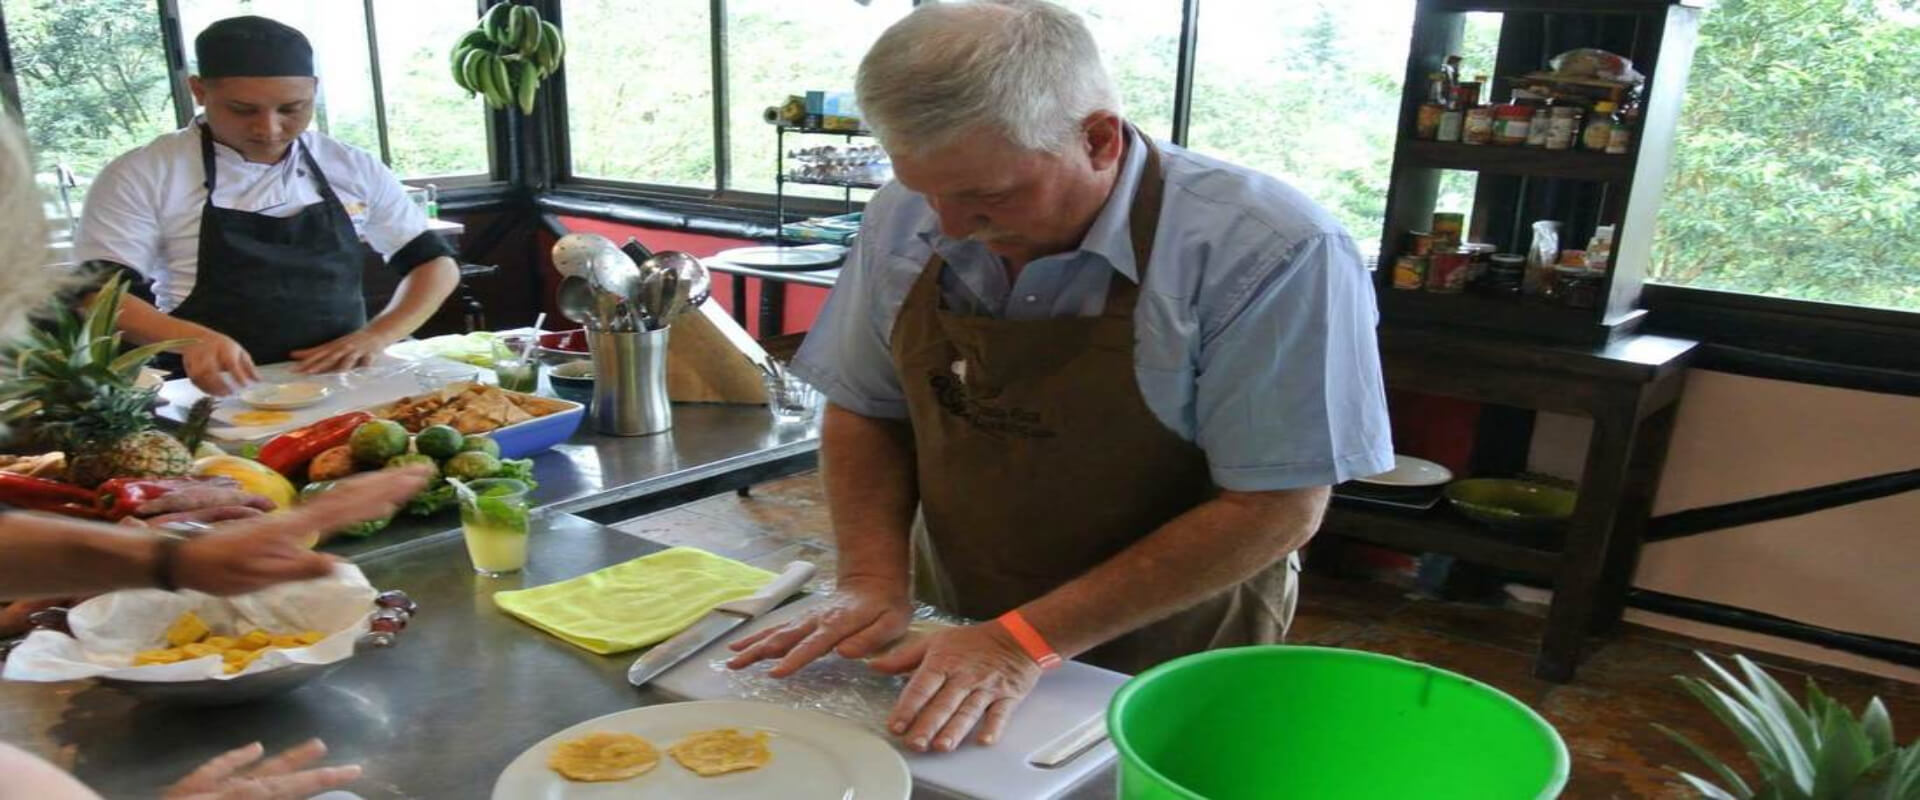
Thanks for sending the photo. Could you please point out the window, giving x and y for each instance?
(92, 86)
(777, 48)
(1797, 167)
(1140, 42)
(338, 32)
(1311, 94)
(433, 128)
(640, 91)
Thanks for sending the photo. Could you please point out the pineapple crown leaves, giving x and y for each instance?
(73, 370)
(1815, 751)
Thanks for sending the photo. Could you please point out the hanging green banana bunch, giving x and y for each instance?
(507, 56)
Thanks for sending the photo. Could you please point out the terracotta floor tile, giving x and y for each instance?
(1513, 629)
(1499, 667)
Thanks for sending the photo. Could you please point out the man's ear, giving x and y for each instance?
(1105, 135)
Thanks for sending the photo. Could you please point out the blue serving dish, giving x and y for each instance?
(523, 439)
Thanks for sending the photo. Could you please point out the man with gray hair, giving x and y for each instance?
(1114, 377)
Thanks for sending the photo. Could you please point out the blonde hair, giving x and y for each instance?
(1028, 69)
(27, 283)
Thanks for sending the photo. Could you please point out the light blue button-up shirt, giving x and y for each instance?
(1254, 333)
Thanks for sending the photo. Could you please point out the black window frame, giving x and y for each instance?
(173, 47)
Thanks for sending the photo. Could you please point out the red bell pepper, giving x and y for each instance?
(290, 451)
(39, 494)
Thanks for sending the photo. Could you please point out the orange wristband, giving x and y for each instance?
(1030, 639)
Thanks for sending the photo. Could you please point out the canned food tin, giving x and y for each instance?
(1447, 273)
(1447, 229)
(1419, 243)
(1409, 272)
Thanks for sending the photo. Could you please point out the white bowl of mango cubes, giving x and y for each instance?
(196, 649)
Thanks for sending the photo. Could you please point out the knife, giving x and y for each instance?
(723, 618)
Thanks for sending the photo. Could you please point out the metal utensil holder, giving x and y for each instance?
(630, 382)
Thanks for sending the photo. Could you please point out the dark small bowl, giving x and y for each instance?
(572, 380)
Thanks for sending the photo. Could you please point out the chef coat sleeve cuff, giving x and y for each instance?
(1303, 475)
(424, 248)
(95, 274)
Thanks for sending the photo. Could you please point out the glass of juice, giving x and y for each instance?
(495, 521)
(514, 363)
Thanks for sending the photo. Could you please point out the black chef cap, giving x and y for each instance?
(252, 47)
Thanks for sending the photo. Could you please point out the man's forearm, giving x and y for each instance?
(45, 555)
(1214, 546)
(868, 467)
(144, 324)
(419, 294)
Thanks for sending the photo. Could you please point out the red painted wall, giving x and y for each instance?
(803, 302)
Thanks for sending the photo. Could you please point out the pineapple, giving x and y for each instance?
(75, 393)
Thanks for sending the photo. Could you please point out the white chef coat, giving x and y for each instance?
(143, 210)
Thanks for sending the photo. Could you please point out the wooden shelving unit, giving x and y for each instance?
(1516, 185)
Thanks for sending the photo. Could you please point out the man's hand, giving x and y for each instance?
(283, 777)
(862, 618)
(251, 554)
(218, 364)
(356, 349)
(962, 678)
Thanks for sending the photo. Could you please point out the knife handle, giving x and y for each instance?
(782, 586)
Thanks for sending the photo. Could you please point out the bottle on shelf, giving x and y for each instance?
(1564, 128)
(1599, 128)
(1427, 123)
(1600, 249)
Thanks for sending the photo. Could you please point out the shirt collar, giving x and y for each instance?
(1110, 237)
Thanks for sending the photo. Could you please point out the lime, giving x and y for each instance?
(481, 444)
(376, 442)
(439, 441)
(471, 466)
(416, 458)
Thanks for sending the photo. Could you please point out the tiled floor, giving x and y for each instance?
(1606, 715)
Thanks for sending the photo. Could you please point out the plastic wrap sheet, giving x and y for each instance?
(845, 688)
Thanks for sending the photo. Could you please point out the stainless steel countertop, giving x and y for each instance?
(467, 688)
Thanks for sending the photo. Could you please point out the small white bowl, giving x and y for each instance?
(285, 396)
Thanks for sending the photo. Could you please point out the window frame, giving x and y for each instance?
(1797, 331)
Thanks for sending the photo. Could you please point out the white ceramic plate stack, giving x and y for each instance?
(1413, 485)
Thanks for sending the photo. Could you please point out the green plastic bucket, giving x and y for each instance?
(1318, 723)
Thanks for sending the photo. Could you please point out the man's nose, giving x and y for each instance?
(956, 221)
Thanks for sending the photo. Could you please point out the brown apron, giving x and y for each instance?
(1038, 459)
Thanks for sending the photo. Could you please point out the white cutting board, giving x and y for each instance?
(374, 388)
(1065, 698)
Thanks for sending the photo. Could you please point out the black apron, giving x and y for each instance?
(276, 284)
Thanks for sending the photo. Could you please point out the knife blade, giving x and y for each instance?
(717, 622)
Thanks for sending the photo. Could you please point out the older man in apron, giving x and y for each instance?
(250, 227)
(1113, 378)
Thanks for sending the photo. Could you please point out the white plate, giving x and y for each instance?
(802, 257)
(269, 396)
(1410, 471)
(815, 757)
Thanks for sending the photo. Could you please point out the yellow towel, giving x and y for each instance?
(635, 604)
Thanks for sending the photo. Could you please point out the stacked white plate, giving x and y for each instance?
(1414, 484)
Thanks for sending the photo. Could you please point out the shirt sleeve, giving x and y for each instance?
(120, 221)
(393, 221)
(848, 355)
(1289, 391)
